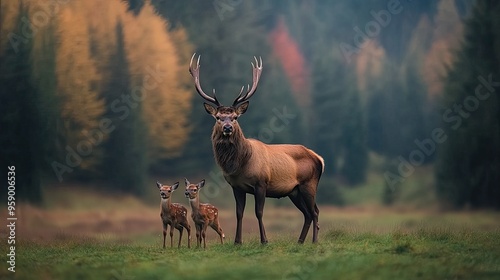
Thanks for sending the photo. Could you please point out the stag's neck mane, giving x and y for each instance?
(231, 152)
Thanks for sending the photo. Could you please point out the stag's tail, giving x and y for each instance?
(320, 162)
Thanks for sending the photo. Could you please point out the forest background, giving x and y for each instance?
(96, 94)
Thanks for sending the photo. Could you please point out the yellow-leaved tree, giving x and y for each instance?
(81, 108)
(157, 59)
(158, 65)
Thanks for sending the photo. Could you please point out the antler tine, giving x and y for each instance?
(215, 98)
(241, 92)
(195, 72)
(256, 72)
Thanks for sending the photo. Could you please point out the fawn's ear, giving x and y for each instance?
(158, 184)
(210, 109)
(186, 182)
(201, 184)
(175, 186)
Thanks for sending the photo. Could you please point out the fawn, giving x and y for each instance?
(173, 214)
(203, 214)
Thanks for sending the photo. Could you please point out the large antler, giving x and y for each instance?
(257, 70)
(195, 72)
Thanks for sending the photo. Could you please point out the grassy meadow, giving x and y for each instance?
(88, 235)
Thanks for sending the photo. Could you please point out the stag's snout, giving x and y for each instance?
(227, 129)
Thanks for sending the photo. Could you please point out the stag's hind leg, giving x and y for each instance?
(260, 199)
(301, 205)
(317, 213)
(308, 196)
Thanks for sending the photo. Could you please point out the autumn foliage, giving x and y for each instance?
(287, 51)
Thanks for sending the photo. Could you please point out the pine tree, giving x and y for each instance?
(355, 161)
(395, 114)
(21, 115)
(338, 131)
(125, 163)
(469, 161)
(44, 68)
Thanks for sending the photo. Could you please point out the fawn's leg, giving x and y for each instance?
(215, 225)
(204, 235)
(171, 236)
(188, 229)
(180, 228)
(164, 234)
(198, 235)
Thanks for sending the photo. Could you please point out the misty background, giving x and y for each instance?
(399, 97)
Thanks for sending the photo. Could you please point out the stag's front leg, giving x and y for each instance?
(260, 199)
(240, 197)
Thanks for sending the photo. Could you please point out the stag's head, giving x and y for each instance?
(165, 190)
(192, 189)
(226, 116)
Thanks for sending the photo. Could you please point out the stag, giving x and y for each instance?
(251, 166)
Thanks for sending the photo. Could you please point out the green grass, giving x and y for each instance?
(88, 235)
(419, 253)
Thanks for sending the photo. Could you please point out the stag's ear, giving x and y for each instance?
(158, 184)
(210, 109)
(201, 184)
(242, 108)
(175, 186)
(186, 182)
